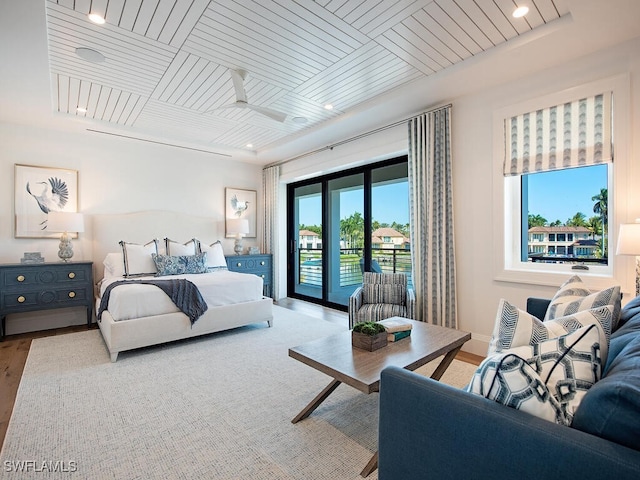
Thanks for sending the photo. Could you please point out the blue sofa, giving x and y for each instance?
(429, 430)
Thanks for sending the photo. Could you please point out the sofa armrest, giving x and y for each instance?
(355, 302)
(538, 306)
(430, 430)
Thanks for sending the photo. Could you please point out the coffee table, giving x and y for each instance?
(335, 356)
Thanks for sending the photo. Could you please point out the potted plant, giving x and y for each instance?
(368, 336)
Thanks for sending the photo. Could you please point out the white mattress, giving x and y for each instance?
(217, 288)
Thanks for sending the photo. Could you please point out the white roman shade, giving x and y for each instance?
(574, 134)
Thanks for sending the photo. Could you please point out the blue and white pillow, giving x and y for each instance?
(548, 379)
(181, 264)
(514, 327)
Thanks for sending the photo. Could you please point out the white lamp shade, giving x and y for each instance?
(65, 222)
(629, 239)
(237, 226)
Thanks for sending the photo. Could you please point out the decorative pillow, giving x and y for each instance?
(178, 265)
(215, 256)
(573, 296)
(548, 379)
(179, 249)
(114, 265)
(515, 327)
(137, 258)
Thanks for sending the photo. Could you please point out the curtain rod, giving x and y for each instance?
(357, 137)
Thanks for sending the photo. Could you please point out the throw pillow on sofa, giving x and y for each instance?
(573, 296)
(514, 327)
(548, 379)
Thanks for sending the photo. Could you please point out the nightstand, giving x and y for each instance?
(29, 287)
(260, 265)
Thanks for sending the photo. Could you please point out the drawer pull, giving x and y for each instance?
(262, 263)
(20, 278)
(21, 299)
(72, 294)
(238, 264)
(72, 275)
(262, 276)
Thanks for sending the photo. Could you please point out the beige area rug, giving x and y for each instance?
(215, 407)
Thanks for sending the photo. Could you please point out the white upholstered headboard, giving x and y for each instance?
(141, 227)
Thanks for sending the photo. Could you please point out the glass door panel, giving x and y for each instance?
(307, 235)
(345, 236)
(390, 245)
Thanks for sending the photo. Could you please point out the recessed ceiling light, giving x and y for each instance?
(90, 55)
(96, 18)
(299, 120)
(249, 145)
(328, 106)
(81, 110)
(520, 12)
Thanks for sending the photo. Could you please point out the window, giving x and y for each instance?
(587, 151)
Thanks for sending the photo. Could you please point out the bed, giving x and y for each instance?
(139, 314)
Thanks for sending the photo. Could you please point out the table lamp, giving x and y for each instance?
(238, 227)
(629, 244)
(65, 222)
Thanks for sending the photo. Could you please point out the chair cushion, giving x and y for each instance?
(384, 288)
(379, 311)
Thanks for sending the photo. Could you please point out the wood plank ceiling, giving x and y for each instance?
(166, 68)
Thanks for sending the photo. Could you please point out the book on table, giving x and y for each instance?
(392, 325)
(395, 336)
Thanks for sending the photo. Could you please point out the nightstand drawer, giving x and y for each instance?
(259, 265)
(47, 298)
(15, 278)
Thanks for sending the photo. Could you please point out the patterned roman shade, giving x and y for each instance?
(574, 134)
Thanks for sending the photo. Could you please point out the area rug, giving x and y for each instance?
(214, 407)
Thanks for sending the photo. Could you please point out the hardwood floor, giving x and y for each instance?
(15, 348)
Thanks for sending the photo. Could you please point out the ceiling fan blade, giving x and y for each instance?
(273, 114)
(238, 77)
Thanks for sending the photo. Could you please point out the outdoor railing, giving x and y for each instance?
(390, 260)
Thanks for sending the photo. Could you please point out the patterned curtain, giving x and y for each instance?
(270, 183)
(573, 134)
(431, 210)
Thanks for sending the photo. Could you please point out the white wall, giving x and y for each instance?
(475, 185)
(115, 175)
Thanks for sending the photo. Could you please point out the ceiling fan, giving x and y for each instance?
(238, 77)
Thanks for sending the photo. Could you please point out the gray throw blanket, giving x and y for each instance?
(182, 292)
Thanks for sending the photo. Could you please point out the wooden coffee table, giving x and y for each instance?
(361, 369)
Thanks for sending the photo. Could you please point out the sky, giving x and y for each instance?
(560, 194)
(389, 203)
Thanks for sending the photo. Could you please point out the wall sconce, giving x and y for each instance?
(238, 227)
(629, 244)
(65, 222)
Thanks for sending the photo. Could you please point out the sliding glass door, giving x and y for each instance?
(343, 224)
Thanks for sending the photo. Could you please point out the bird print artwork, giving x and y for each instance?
(239, 206)
(52, 196)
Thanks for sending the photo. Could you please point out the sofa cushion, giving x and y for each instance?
(610, 408)
(514, 327)
(628, 329)
(573, 296)
(374, 312)
(565, 367)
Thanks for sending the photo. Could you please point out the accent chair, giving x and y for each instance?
(382, 295)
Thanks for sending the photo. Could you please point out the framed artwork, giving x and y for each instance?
(240, 204)
(39, 190)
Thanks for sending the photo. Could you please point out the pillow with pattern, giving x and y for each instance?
(137, 258)
(514, 327)
(178, 249)
(548, 379)
(179, 265)
(573, 296)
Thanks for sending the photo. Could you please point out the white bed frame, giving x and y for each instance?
(140, 227)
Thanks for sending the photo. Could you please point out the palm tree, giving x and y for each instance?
(536, 220)
(600, 208)
(578, 220)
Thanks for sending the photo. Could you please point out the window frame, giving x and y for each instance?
(507, 218)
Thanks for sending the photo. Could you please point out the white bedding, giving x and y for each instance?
(217, 288)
